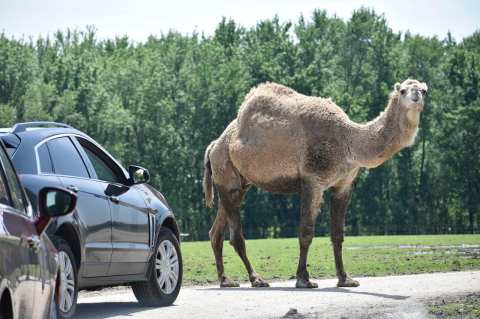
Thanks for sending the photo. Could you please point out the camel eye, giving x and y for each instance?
(403, 91)
(424, 92)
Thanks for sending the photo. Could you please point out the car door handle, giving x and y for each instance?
(114, 199)
(73, 188)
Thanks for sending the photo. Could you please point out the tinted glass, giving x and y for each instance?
(16, 191)
(104, 172)
(65, 158)
(10, 150)
(3, 192)
(44, 159)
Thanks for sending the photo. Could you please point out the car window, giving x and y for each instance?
(44, 159)
(65, 158)
(103, 170)
(10, 142)
(4, 199)
(16, 192)
(11, 150)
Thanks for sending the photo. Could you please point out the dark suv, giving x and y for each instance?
(122, 231)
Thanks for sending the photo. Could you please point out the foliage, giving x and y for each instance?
(161, 102)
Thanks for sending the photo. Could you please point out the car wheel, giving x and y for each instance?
(67, 290)
(6, 311)
(165, 275)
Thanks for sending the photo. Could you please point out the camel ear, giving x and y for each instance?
(425, 86)
(397, 86)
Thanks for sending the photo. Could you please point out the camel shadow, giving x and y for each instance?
(108, 309)
(328, 289)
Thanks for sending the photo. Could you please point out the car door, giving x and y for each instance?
(130, 214)
(19, 242)
(93, 209)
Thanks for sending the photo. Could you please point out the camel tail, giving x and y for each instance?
(207, 177)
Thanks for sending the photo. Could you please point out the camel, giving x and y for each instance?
(285, 142)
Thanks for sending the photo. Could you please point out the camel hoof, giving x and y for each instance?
(348, 282)
(227, 283)
(259, 283)
(305, 284)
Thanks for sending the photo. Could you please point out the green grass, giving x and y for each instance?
(464, 307)
(363, 256)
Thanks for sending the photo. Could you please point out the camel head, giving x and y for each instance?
(411, 96)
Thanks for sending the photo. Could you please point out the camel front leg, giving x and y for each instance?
(311, 199)
(339, 204)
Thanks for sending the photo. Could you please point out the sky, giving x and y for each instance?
(141, 18)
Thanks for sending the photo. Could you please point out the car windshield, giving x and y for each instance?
(3, 192)
(10, 142)
(16, 191)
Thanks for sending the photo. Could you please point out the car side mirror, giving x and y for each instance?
(53, 202)
(138, 174)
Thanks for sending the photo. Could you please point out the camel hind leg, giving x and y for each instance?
(233, 200)
(229, 214)
(311, 199)
(231, 189)
(216, 239)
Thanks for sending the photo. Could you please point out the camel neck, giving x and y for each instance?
(376, 141)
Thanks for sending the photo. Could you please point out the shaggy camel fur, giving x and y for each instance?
(286, 142)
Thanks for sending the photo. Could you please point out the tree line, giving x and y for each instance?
(160, 102)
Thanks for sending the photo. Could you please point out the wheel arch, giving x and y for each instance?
(170, 223)
(68, 233)
(6, 304)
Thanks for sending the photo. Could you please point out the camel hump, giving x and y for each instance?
(273, 103)
(270, 88)
(266, 97)
(277, 89)
(266, 106)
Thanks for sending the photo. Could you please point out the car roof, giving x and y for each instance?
(39, 134)
(24, 136)
(36, 132)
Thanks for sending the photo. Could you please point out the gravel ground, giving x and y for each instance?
(377, 297)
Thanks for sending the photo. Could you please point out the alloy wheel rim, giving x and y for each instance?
(167, 267)
(67, 283)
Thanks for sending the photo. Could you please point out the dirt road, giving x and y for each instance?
(377, 297)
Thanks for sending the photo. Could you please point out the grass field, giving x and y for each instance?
(363, 256)
(460, 307)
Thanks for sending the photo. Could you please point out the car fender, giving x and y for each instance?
(161, 219)
(168, 220)
(160, 209)
(73, 223)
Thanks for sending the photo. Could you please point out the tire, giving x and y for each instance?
(6, 307)
(66, 306)
(160, 291)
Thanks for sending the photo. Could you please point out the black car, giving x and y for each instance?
(29, 270)
(122, 232)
